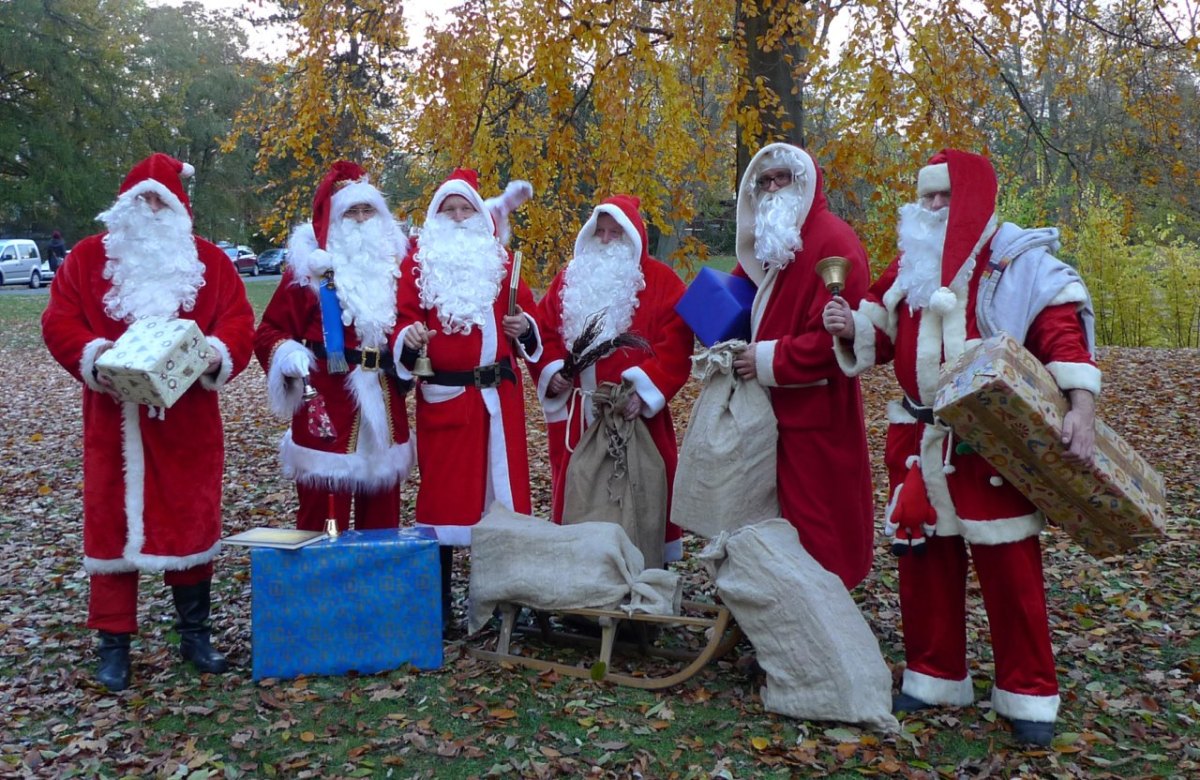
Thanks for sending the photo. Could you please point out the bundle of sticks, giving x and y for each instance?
(585, 351)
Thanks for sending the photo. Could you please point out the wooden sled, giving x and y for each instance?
(723, 635)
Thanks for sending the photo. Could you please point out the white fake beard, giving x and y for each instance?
(365, 271)
(461, 267)
(152, 261)
(777, 227)
(922, 237)
(603, 277)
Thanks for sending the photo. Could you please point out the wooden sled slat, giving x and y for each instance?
(724, 634)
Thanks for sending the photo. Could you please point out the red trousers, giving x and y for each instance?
(112, 603)
(933, 590)
(380, 509)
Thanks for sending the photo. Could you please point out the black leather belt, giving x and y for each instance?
(922, 413)
(480, 376)
(369, 359)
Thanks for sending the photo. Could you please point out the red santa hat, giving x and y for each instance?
(161, 174)
(465, 183)
(344, 186)
(971, 180)
(625, 210)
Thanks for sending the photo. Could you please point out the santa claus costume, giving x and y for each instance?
(152, 477)
(636, 294)
(822, 468)
(958, 279)
(328, 325)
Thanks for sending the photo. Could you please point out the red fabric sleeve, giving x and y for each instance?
(1056, 336)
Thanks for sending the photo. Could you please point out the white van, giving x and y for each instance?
(20, 262)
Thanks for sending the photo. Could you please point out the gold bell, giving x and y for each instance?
(832, 271)
(310, 392)
(423, 367)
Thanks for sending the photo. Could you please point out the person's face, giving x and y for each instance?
(608, 229)
(936, 201)
(153, 200)
(360, 212)
(773, 179)
(457, 208)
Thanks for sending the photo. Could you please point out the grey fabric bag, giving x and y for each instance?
(616, 475)
(726, 473)
(821, 659)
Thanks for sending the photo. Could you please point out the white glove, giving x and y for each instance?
(295, 364)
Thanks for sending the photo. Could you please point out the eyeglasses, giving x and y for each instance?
(360, 210)
(780, 180)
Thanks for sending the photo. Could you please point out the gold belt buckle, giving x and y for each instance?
(371, 364)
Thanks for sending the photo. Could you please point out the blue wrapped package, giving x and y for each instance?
(716, 306)
(368, 601)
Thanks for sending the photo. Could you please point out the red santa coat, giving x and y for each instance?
(371, 449)
(152, 486)
(657, 374)
(470, 441)
(823, 469)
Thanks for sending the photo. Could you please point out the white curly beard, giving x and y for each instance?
(461, 266)
(777, 227)
(152, 261)
(922, 236)
(603, 277)
(365, 270)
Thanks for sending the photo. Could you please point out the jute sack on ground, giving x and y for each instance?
(726, 473)
(821, 660)
(617, 475)
(526, 560)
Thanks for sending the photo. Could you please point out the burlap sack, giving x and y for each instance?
(616, 475)
(821, 660)
(726, 473)
(525, 560)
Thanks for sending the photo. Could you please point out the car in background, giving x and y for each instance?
(273, 260)
(20, 262)
(243, 257)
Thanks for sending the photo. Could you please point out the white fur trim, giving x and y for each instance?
(160, 189)
(1002, 530)
(935, 690)
(344, 472)
(285, 394)
(499, 482)
(402, 370)
(954, 330)
(764, 362)
(858, 355)
(898, 415)
(589, 229)
(1041, 709)
(912, 460)
(653, 401)
(555, 408)
(537, 334)
(87, 362)
(224, 371)
(1076, 376)
(673, 551)
(933, 178)
(880, 317)
(889, 528)
(762, 296)
(451, 535)
(374, 429)
(747, 204)
(929, 356)
(1074, 292)
(459, 187)
(933, 441)
(361, 191)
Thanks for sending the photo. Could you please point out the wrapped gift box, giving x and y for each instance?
(716, 306)
(368, 601)
(155, 361)
(1001, 400)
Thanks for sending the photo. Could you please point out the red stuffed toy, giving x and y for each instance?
(909, 517)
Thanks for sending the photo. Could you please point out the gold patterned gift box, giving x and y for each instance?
(1002, 401)
(155, 361)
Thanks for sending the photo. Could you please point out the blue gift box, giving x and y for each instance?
(368, 601)
(717, 305)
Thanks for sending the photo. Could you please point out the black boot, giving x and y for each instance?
(1034, 733)
(447, 559)
(192, 602)
(113, 672)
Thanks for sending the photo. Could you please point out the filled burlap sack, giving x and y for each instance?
(726, 473)
(821, 660)
(616, 475)
(526, 560)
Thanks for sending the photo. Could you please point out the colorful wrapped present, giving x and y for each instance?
(1001, 400)
(367, 601)
(155, 361)
(716, 306)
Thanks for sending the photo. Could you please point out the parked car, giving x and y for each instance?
(20, 262)
(272, 261)
(243, 257)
